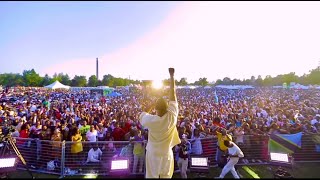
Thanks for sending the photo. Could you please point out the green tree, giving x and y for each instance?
(253, 79)
(183, 82)
(288, 78)
(226, 81)
(166, 82)
(46, 80)
(201, 82)
(303, 79)
(247, 82)
(106, 80)
(100, 83)
(218, 82)
(10, 79)
(65, 79)
(79, 81)
(259, 81)
(267, 81)
(31, 78)
(93, 81)
(236, 82)
(57, 77)
(314, 76)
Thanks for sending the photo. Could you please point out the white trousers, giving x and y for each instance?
(159, 166)
(183, 166)
(230, 167)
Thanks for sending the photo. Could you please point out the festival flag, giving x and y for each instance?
(216, 97)
(316, 140)
(284, 143)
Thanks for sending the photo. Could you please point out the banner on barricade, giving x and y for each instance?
(316, 140)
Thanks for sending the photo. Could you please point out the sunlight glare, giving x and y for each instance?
(157, 84)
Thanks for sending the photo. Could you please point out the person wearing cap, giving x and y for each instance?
(234, 153)
(183, 151)
(163, 134)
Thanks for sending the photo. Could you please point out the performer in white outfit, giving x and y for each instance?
(234, 154)
(163, 134)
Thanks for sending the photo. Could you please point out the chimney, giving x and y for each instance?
(97, 69)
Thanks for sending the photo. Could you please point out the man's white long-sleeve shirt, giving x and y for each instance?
(163, 134)
(235, 150)
(93, 156)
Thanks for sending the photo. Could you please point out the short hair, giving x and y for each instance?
(226, 143)
(161, 104)
(223, 131)
(94, 145)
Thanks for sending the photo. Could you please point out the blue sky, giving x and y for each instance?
(53, 31)
(142, 39)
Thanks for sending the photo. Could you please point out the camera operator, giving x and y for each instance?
(183, 151)
(6, 128)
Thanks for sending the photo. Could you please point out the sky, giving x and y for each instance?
(141, 40)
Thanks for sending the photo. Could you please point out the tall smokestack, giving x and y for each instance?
(97, 69)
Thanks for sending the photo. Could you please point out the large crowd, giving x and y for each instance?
(61, 115)
(40, 113)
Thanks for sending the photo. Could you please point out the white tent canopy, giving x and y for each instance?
(57, 85)
(299, 86)
(235, 87)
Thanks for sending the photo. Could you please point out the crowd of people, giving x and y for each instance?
(77, 116)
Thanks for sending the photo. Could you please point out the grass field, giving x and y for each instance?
(300, 170)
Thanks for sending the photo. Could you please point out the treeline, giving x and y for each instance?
(312, 78)
(32, 78)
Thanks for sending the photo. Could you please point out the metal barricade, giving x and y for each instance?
(79, 163)
(41, 156)
(254, 148)
(310, 149)
(57, 157)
